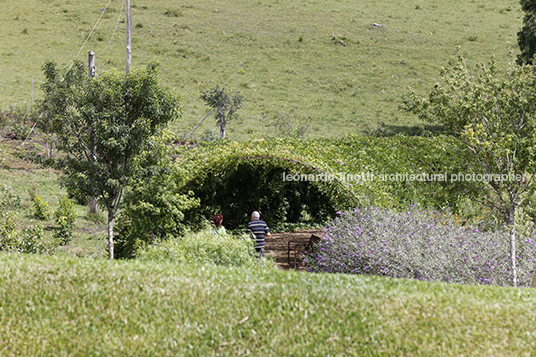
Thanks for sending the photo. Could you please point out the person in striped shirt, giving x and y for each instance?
(260, 230)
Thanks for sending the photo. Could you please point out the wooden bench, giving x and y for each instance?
(302, 248)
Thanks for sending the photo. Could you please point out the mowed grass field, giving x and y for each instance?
(322, 62)
(84, 307)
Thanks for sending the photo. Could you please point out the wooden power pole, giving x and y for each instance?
(129, 38)
(91, 71)
(91, 64)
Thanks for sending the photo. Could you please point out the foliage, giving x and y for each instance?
(494, 114)
(420, 245)
(18, 119)
(29, 239)
(203, 247)
(225, 103)
(41, 208)
(9, 200)
(102, 125)
(153, 207)
(65, 219)
(289, 125)
(235, 178)
(526, 37)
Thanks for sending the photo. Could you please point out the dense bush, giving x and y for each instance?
(9, 200)
(203, 247)
(419, 245)
(27, 240)
(41, 208)
(237, 177)
(65, 219)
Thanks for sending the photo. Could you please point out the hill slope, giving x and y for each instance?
(322, 62)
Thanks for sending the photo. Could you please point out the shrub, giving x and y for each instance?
(9, 200)
(27, 240)
(41, 208)
(203, 248)
(31, 240)
(19, 119)
(65, 218)
(419, 245)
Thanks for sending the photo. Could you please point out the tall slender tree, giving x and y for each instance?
(225, 103)
(493, 112)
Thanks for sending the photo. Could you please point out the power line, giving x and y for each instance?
(116, 25)
(100, 17)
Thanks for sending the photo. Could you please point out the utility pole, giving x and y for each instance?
(129, 38)
(91, 64)
(91, 71)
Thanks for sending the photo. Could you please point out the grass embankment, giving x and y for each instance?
(60, 306)
(322, 61)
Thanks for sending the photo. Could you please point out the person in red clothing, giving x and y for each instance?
(258, 230)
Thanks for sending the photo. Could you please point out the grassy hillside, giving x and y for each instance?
(25, 179)
(322, 62)
(73, 307)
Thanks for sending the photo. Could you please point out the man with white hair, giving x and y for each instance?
(260, 230)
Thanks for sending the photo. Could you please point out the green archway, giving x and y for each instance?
(239, 177)
(283, 190)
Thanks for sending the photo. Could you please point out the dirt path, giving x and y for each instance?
(277, 245)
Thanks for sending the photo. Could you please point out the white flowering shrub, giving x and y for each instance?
(420, 245)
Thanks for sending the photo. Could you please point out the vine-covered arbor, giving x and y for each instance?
(293, 181)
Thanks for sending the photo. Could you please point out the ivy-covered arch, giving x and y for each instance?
(235, 178)
(283, 190)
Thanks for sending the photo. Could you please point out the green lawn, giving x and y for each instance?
(73, 307)
(313, 61)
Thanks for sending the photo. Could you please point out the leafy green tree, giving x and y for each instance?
(493, 113)
(526, 37)
(225, 103)
(153, 207)
(102, 125)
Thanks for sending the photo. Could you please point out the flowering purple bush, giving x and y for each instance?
(419, 245)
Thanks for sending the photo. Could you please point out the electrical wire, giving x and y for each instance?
(94, 27)
(116, 25)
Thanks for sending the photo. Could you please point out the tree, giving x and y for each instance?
(225, 103)
(493, 113)
(102, 125)
(526, 37)
(153, 208)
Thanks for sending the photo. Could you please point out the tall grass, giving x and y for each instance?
(203, 247)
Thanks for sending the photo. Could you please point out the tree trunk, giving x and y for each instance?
(222, 122)
(152, 237)
(93, 205)
(110, 234)
(511, 223)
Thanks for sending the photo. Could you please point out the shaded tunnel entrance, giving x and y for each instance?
(240, 187)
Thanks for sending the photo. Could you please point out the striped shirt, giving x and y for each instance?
(259, 229)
